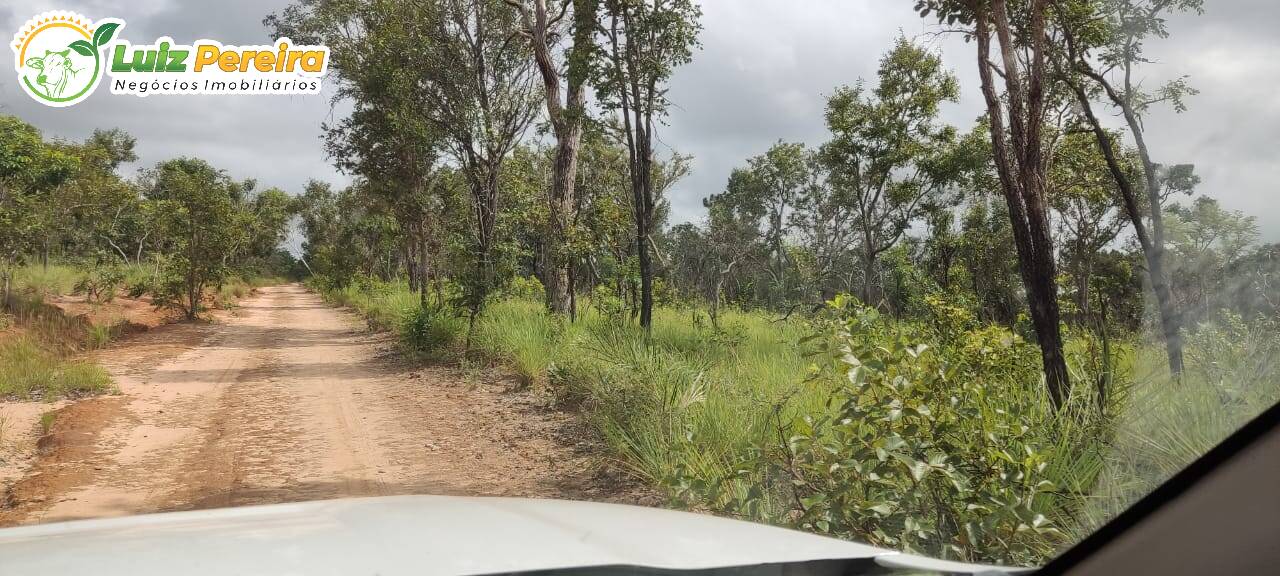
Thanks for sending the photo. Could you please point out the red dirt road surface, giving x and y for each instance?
(289, 399)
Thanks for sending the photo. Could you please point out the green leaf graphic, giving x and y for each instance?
(104, 33)
(82, 48)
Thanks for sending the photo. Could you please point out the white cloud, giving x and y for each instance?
(761, 76)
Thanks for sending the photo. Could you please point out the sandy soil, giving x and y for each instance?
(137, 314)
(288, 399)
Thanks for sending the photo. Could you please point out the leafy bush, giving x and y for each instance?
(430, 331)
(524, 287)
(142, 278)
(100, 284)
(932, 434)
(936, 440)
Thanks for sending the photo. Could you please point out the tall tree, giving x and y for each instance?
(645, 40)
(198, 219)
(29, 170)
(1089, 216)
(881, 143)
(1017, 120)
(1206, 241)
(1118, 30)
(387, 139)
(767, 192)
(480, 87)
(567, 114)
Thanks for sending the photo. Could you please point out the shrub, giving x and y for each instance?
(142, 278)
(936, 441)
(100, 284)
(525, 287)
(430, 331)
(932, 434)
(230, 292)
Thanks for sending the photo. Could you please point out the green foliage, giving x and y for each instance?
(931, 434)
(46, 421)
(525, 288)
(430, 331)
(46, 281)
(29, 371)
(29, 170)
(1231, 375)
(204, 225)
(937, 439)
(100, 284)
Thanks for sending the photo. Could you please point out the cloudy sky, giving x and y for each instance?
(762, 75)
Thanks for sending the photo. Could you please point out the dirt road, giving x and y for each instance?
(289, 399)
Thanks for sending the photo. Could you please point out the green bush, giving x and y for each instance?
(932, 435)
(524, 287)
(935, 442)
(100, 284)
(430, 331)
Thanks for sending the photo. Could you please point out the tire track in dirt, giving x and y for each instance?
(289, 400)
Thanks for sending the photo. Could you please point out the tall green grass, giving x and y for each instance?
(690, 380)
(31, 371)
(42, 281)
(691, 404)
(1232, 374)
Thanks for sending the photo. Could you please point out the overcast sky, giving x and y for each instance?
(762, 74)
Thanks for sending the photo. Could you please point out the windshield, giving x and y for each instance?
(958, 279)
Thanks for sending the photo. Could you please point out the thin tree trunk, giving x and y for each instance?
(566, 121)
(1022, 178)
(1152, 247)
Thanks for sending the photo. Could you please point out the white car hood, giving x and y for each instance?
(418, 535)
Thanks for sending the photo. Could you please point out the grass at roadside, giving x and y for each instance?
(30, 371)
(713, 414)
(40, 343)
(42, 281)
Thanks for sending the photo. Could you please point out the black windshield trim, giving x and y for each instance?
(1171, 490)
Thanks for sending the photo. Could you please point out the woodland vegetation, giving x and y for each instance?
(182, 234)
(976, 342)
(928, 337)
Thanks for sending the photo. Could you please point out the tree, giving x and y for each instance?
(1206, 242)
(1082, 195)
(567, 116)
(645, 41)
(388, 140)
(480, 88)
(29, 170)
(1119, 29)
(197, 218)
(881, 145)
(732, 240)
(766, 193)
(269, 213)
(1016, 120)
